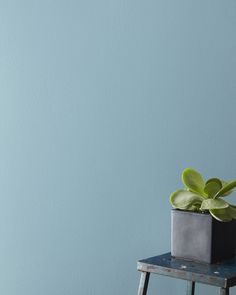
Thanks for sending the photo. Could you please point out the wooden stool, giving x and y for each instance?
(222, 274)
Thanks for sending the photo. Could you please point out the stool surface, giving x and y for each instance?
(221, 274)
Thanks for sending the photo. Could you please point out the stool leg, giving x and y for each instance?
(143, 284)
(190, 288)
(224, 291)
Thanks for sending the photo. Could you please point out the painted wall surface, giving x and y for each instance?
(102, 104)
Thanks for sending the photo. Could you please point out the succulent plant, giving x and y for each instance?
(204, 196)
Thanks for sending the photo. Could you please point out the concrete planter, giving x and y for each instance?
(200, 237)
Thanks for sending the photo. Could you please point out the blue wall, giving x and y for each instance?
(102, 104)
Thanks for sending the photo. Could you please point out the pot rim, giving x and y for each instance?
(191, 212)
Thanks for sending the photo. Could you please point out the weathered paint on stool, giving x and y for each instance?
(190, 288)
(224, 291)
(221, 275)
(143, 284)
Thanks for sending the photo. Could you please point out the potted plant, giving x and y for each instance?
(203, 224)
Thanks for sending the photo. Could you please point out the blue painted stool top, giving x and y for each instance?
(221, 274)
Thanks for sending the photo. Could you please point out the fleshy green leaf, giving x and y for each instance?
(221, 214)
(193, 181)
(220, 182)
(224, 183)
(232, 211)
(213, 204)
(212, 186)
(195, 207)
(183, 199)
(226, 214)
(228, 187)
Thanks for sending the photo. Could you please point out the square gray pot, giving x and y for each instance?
(200, 237)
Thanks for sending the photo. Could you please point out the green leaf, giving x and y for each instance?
(224, 183)
(193, 181)
(195, 207)
(221, 214)
(220, 182)
(228, 187)
(183, 199)
(226, 214)
(213, 204)
(232, 211)
(212, 186)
